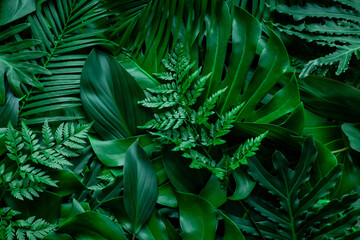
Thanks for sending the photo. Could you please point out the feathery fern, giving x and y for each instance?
(336, 26)
(22, 229)
(32, 156)
(192, 130)
(295, 214)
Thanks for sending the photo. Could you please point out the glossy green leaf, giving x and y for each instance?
(92, 225)
(9, 111)
(352, 131)
(139, 74)
(58, 236)
(167, 196)
(289, 216)
(214, 191)
(69, 183)
(155, 229)
(244, 185)
(330, 98)
(15, 9)
(112, 152)
(197, 217)
(110, 97)
(182, 177)
(140, 186)
(231, 230)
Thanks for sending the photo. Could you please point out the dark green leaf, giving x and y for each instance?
(112, 152)
(92, 225)
(197, 217)
(140, 186)
(15, 9)
(110, 97)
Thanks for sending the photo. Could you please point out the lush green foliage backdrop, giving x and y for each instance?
(182, 119)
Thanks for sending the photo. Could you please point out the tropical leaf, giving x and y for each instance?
(197, 217)
(92, 225)
(110, 95)
(9, 112)
(334, 26)
(13, 10)
(15, 65)
(140, 186)
(62, 27)
(298, 217)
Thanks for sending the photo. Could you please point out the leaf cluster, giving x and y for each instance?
(335, 26)
(21, 229)
(297, 214)
(193, 129)
(25, 174)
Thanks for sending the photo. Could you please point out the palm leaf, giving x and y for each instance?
(60, 27)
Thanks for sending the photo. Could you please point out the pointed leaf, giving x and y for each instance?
(140, 186)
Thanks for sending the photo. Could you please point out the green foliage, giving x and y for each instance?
(293, 213)
(63, 33)
(29, 154)
(191, 129)
(15, 56)
(335, 26)
(118, 189)
(21, 229)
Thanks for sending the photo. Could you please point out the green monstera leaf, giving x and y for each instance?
(293, 213)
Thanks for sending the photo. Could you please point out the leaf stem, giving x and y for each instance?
(340, 150)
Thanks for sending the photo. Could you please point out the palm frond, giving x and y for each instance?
(60, 27)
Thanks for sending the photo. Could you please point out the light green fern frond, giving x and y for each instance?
(245, 151)
(30, 154)
(188, 126)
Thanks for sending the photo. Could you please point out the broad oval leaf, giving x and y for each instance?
(197, 217)
(140, 186)
(110, 97)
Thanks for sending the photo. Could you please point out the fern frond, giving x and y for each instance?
(47, 134)
(166, 76)
(167, 120)
(163, 89)
(22, 189)
(245, 151)
(200, 161)
(161, 101)
(224, 124)
(33, 228)
(187, 129)
(29, 138)
(14, 144)
(36, 175)
(197, 90)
